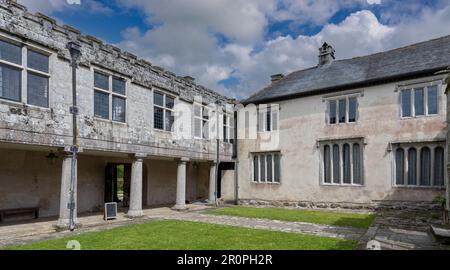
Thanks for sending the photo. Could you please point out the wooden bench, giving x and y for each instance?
(16, 211)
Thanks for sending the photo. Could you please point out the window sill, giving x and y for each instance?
(342, 185)
(110, 121)
(419, 117)
(342, 124)
(420, 187)
(163, 131)
(266, 183)
(19, 104)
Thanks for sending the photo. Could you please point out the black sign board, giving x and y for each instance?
(110, 211)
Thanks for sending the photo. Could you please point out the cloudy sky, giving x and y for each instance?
(233, 46)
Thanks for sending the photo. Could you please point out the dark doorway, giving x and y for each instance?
(223, 166)
(117, 183)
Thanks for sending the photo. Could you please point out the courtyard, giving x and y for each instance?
(226, 228)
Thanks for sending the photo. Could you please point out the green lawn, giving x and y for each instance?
(182, 235)
(318, 217)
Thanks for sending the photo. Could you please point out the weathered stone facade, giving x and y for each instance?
(29, 133)
(21, 123)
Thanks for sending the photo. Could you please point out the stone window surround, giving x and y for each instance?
(336, 97)
(419, 84)
(164, 93)
(341, 141)
(263, 110)
(25, 46)
(110, 93)
(211, 114)
(252, 169)
(418, 144)
(228, 127)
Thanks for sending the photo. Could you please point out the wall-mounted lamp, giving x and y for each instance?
(51, 158)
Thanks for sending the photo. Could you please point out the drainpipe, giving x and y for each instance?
(218, 103)
(236, 162)
(75, 53)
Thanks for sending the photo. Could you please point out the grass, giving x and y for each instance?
(185, 235)
(318, 217)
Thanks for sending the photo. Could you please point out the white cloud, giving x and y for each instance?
(51, 6)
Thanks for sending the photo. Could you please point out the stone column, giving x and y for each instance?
(181, 185)
(135, 203)
(64, 211)
(212, 183)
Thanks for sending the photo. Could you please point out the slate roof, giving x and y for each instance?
(415, 60)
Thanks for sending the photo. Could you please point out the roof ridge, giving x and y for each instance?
(370, 55)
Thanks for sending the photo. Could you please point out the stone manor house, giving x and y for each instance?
(359, 132)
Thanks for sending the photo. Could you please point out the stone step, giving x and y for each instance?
(441, 234)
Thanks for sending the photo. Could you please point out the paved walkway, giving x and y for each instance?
(403, 230)
(275, 225)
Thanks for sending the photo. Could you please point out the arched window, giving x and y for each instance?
(336, 165)
(346, 164)
(412, 166)
(400, 166)
(425, 167)
(439, 166)
(357, 168)
(327, 164)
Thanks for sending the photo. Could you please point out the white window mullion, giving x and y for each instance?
(418, 169)
(432, 158)
(331, 163)
(351, 162)
(341, 163)
(24, 76)
(406, 165)
(413, 107)
(425, 100)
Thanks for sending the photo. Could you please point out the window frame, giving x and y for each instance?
(24, 70)
(341, 142)
(228, 126)
(425, 87)
(337, 100)
(164, 108)
(110, 94)
(265, 110)
(418, 146)
(258, 156)
(211, 113)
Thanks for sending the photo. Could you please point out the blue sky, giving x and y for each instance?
(234, 46)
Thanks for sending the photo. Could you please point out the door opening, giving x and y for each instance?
(117, 183)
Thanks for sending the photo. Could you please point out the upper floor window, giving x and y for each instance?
(342, 110)
(266, 167)
(420, 101)
(342, 162)
(268, 118)
(37, 74)
(163, 111)
(419, 165)
(109, 97)
(201, 121)
(228, 128)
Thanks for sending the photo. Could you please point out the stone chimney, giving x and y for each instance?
(326, 54)
(276, 77)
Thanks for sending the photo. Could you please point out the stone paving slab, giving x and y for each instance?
(276, 225)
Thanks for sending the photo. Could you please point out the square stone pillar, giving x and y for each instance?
(181, 185)
(135, 202)
(64, 211)
(212, 183)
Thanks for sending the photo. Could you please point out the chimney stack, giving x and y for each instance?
(276, 77)
(326, 54)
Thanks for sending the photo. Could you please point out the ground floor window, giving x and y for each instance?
(266, 167)
(342, 162)
(419, 164)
